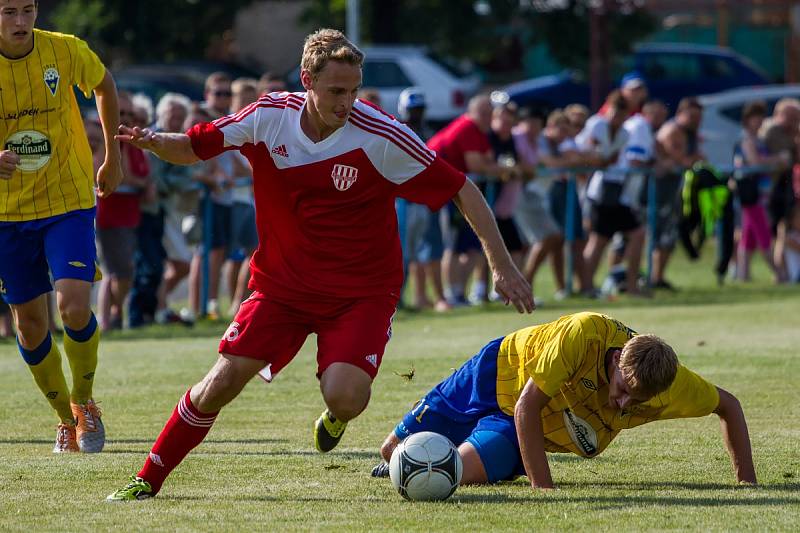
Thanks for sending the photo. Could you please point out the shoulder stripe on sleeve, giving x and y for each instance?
(414, 143)
(258, 104)
(394, 134)
(368, 128)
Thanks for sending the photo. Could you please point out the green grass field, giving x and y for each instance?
(258, 470)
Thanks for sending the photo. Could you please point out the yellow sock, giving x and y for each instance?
(81, 347)
(45, 365)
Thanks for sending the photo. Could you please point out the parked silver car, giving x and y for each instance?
(721, 128)
(390, 69)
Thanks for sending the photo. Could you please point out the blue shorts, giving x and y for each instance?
(464, 408)
(30, 251)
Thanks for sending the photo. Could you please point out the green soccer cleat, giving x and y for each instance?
(328, 432)
(137, 489)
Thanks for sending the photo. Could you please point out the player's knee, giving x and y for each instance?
(346, 403)
(31, 328)
(74, 314)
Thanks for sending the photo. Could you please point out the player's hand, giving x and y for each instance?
(109, 176)
(143, 138)
(8, 163)
(514, 288)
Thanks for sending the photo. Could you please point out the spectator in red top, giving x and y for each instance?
(464, 143)
(118, 217)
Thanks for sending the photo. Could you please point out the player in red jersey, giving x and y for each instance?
(327, 169)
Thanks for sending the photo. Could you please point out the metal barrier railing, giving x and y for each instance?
(570, 226)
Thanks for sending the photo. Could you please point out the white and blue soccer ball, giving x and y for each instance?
(426, 467)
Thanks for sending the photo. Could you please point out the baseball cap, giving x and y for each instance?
(410, 98)
(632, 80)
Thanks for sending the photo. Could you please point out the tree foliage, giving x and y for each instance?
(485, 29)
(566, 30)
(147, 29)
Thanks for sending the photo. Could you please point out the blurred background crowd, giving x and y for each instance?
(641, 146)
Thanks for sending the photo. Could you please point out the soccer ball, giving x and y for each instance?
(425, 467)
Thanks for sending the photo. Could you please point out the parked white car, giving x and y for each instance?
(721, 128)
(390, 69)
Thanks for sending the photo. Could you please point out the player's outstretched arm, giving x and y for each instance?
(109, 175)
(737, 439)
(174, 148)
(528, 419)
(508, 281)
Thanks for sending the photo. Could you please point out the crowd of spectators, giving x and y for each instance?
(622, 175)
(561, 182)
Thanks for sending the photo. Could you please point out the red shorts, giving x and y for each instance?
(351, 331)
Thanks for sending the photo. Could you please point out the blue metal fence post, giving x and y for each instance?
(652, 221)
(570, 230)
(208, 220)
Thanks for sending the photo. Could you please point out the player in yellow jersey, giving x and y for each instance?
(47, 198)
(567, 386)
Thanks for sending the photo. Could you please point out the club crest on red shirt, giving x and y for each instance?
(344, 176)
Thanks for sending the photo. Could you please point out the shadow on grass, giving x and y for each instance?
(596, 502)
(750, 497)
(343, 456)
(678, 485)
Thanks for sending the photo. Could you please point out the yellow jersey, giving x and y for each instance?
(40, 121)
(566, 360)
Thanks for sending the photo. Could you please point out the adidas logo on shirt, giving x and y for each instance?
(280, 150)
(372, 359)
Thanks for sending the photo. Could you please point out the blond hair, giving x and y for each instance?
(328, 45)
(244, 84)
(648, 364)
(786, 103)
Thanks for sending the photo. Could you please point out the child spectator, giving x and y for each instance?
(754, 191)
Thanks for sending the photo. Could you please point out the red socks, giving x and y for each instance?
(185, 429)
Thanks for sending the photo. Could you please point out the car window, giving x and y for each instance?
(384, 74)
(457, 68)
(718, 67)
(666, 67)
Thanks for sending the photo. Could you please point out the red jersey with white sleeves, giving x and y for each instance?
(325, 211)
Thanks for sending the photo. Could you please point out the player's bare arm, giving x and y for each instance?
(528, 420)
(110, 174)
(174, 148)
(8, 163)
(508, 280)
(735, 434)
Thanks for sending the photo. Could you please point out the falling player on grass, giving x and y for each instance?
(326, 171)
(568, 386)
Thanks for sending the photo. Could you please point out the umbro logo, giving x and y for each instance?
(77, 264)
(280, 150)
(372, 359)
(589, 384)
